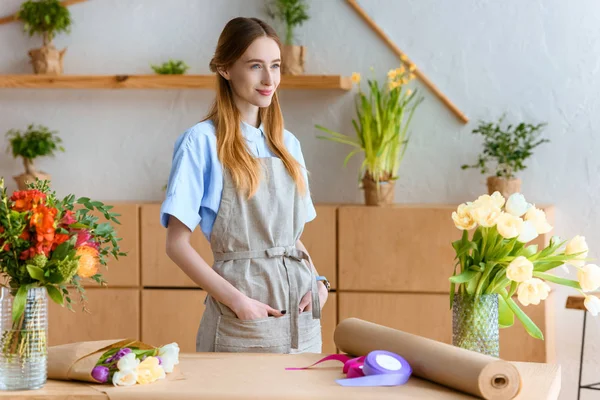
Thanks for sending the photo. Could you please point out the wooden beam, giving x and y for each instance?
(309, 82)
(406, 60)
(13, 17)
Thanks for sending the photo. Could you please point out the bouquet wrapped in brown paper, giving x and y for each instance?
(123, 362)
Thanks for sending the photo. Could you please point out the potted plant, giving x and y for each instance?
(48, 248)
(383, 117)
(509, 147)
(36, 141)
(497, 262)
(48, 18)
(291, 13)
(171, 67)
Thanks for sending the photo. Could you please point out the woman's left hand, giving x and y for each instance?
(306, 302)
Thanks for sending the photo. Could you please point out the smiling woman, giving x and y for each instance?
(241, 176)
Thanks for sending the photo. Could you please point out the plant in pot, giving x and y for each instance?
(509, 147)
(495, 262)
(291, 13)
(36, 141)
(383, 117)
(47, 18)
(171, 67)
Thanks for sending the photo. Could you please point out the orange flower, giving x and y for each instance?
(26, 200)
(88, 261)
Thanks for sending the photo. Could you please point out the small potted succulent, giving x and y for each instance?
(291, 13)
(36, 141)
(171, 67)
(47, 18)
(509, 148)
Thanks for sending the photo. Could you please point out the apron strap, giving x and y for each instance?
(285, 252)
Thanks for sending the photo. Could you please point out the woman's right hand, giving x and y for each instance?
(249, 309)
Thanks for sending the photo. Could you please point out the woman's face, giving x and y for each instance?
(255, 76)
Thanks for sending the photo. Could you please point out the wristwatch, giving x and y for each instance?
(325, 282)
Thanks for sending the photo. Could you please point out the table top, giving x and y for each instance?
(242, 376)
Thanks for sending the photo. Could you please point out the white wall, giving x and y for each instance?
(535, 60)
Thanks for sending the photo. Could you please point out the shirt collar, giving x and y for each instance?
(251, 133)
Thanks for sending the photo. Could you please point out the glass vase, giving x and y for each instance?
(475, 323)
(23, 343)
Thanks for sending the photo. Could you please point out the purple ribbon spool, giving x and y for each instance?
(381, 368)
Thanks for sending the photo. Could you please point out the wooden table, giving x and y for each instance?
(244, 376)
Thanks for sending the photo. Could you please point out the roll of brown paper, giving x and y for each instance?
(459, 369)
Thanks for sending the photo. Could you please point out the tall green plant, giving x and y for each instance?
(45, 17)
(384, 114)
(292, 13)
(508, 147)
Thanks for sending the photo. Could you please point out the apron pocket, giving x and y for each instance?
(309, 331)
(264, 335)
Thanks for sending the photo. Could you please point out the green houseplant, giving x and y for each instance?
(36, 141)
(46, 18)
(291, 13)
(171, 67)
(383, 118)
(509, 148)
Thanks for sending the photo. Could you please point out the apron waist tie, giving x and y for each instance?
(285, 252)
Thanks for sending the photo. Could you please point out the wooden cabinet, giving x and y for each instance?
(319, 237)
(430, 316)
(328, 323)
(113, 314)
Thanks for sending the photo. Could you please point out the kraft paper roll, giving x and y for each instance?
(459, 369)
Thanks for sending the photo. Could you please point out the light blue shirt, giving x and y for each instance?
(195, 183)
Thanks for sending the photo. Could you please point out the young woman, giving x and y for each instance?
(241, 176)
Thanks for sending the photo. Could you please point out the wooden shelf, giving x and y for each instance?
(310, 82)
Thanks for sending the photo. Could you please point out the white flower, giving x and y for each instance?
(577, 245)
(128, 362)
(169, 355)
(125, 377)
(462, 218)
(520, 270)
(532, 291)
(517, 205)
(496, 200)
(538, 218)
(528, 233)
(592, 303)
(485, 214)
(509, 226)
(589, 277)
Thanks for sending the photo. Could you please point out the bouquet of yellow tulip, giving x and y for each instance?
(497, 258)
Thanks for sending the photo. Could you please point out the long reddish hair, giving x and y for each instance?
(232, 150)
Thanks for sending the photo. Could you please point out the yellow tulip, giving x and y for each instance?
(408, 92)
(411, 76)
(412, 67)
(403, 58)
(355, 78)
(391, 74)
(149, 371)
(400, 71)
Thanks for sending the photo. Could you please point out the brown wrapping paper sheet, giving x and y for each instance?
(460, 369)
(75, 361)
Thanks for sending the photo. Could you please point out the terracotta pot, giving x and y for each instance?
(506, 187)
(378, 194)
(47, 60)
(293, 60)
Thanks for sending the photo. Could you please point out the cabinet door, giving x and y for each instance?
(172, 316)
(319, 237)
(328, 324)
(402, 248)
(124, 272)
(429, 315)
(157, 268)
(113, 314)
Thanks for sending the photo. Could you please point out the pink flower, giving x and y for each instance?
(84, 238)
(68, 218)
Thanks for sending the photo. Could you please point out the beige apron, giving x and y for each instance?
(253, 243)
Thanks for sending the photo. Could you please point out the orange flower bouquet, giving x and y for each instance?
(47, 245)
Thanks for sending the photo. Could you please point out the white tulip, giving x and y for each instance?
(538, 218)
(589, 277)
(169, 355)
(592, 303)
(128, 362)
(577, 245)
(509, 226)
(532, 291)
(485, 214)
(125, 377)
(520, 270)
(462, 217)
(528, 233)
(495, 200)
(517, 205)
